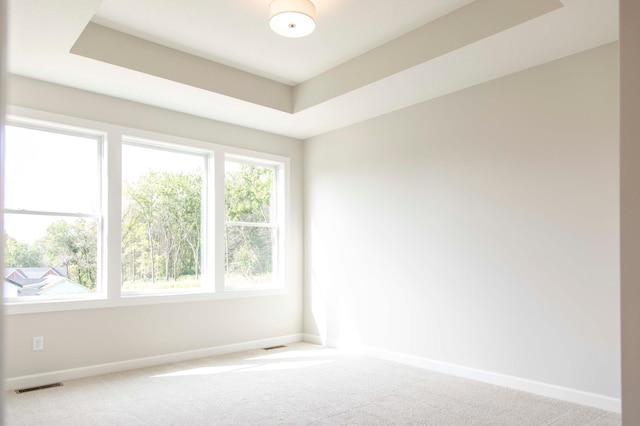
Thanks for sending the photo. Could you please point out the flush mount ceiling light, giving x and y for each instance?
(292, 18)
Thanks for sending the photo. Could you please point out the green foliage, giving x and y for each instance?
(20, 255)
(161, 232)
(73, 245)
(161, 227)
(248, 195)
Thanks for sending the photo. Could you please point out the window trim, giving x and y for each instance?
(279, 212)
(66, 129)
(207, 283)
(109, 269)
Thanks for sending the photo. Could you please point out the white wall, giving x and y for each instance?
(478, 229)
(630, 207)
(82, 338)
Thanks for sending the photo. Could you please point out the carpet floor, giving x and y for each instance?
(301, 384)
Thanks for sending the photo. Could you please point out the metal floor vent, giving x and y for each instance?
(274, 347)
(52, 385)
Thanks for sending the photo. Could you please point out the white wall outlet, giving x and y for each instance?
(38, 343)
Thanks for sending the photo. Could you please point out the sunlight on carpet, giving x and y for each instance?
(302, 384)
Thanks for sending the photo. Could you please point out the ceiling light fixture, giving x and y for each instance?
(292, 18)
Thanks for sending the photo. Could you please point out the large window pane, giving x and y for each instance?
(161, 219)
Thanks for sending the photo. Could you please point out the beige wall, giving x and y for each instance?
(478, 229)
(630, 208)
(82, 338)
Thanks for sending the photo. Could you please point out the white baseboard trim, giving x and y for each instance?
(538, 388)
(312, 338)
(330, 343)
(530, 386)
(22, 382)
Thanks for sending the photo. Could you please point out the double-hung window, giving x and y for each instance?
(253, 230)
(52, 213)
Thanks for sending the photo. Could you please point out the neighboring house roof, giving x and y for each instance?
(14, 273)
(60, 285)
(42, 280)
(23, 282)
(33, 275)
(52, 284)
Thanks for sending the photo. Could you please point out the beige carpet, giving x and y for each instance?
(302, 384)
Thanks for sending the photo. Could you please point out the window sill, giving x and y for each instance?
(132, 299)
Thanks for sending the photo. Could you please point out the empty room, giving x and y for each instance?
(321, 212)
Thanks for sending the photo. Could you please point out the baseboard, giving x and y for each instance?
(29, 381)
(530, 386)
(330, 343)
(312, 338)
(538, 388)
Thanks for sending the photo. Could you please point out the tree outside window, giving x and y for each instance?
(251, 231)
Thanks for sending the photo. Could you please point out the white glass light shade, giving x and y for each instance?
(292, 18)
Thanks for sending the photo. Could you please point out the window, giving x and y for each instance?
(162, 201)
(52, 213)
(251, 224)
(100, 215)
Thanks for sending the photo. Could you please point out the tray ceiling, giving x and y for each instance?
(219, 59)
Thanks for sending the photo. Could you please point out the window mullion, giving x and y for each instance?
(282, 212)
(112, 206)
(219, 233)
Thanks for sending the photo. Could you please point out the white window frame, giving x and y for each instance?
(98, 216)
(110, 293)
(207, 201)
(278, 213)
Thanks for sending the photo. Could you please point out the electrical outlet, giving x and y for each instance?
(38, 343)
